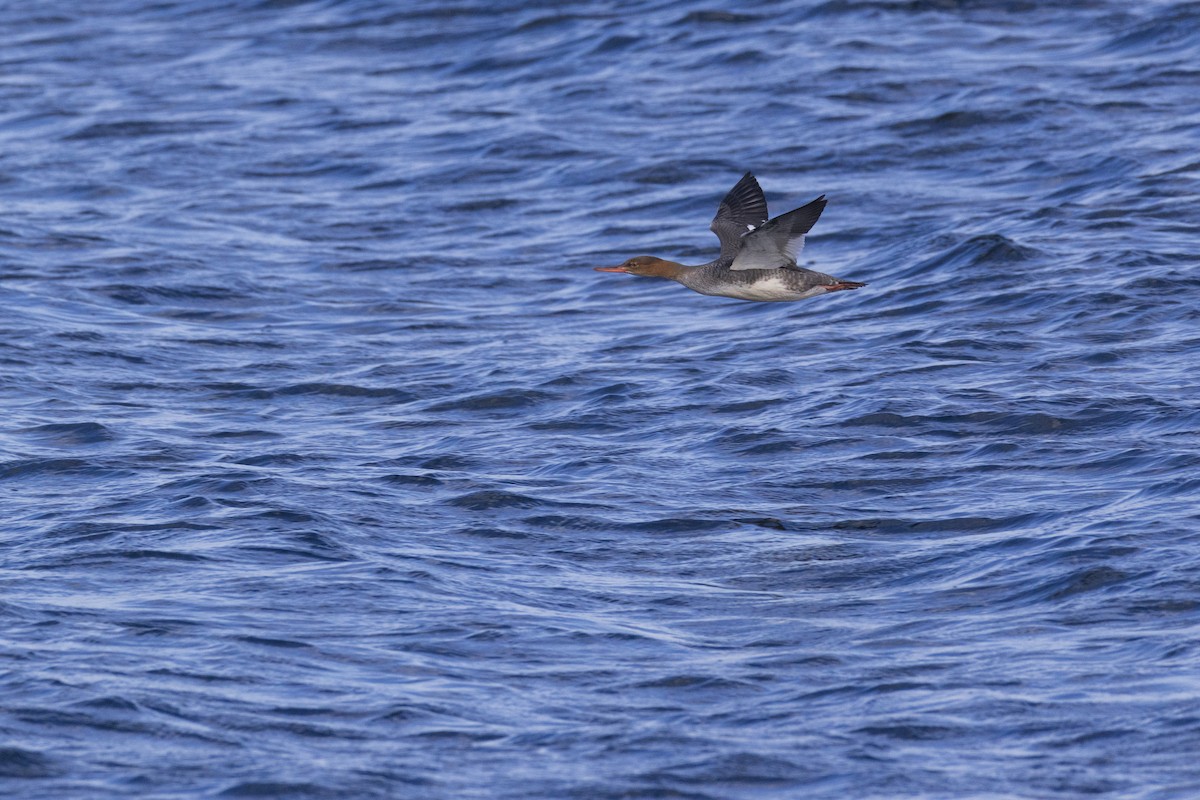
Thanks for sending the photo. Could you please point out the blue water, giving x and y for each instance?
(329, 468)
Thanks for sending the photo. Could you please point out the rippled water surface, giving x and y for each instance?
(329, 468)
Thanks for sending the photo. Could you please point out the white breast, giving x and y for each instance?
(768, 290)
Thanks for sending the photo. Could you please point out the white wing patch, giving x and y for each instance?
(764, 252)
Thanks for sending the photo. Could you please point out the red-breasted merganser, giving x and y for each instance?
(758, 258)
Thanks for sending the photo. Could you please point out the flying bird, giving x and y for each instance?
(758, 255)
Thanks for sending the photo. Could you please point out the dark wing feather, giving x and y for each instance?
(776, 244)
(744, 209)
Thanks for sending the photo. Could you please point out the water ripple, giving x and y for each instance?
(328, 459)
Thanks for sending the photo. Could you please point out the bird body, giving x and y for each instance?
(758, 255)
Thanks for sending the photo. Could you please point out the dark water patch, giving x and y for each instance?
(493, 533)
(613, 44)
(742, 768)
(243, 435)
(413, 481)
(286, 644)
(690, 682)
(39, 467)
(1084, 419)
(114, 556)
(953, 525)
(1171, 30)
(274, 789)
(1064, 585)
(368, 265)
(973, 256)
(506, 400)
(959, 120)
(1088, 580)
(768, 448)
(564, 522)
(1176, 487)
(320, 389)
(19, 762)
(910, 732)
(257, 344)
(137, 128)
(110, 703)
(716, 17)
(229, 482)
(308, 168)
(489, 499)
(676, 525)
(483, 205)
(71, 434)
(146, 295)
(282, 460)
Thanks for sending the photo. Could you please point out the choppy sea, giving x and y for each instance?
(330, 469)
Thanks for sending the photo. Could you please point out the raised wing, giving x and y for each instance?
(743, 210)
(776, 244)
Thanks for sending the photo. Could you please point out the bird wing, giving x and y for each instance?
(743, 210)
(776, 244)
